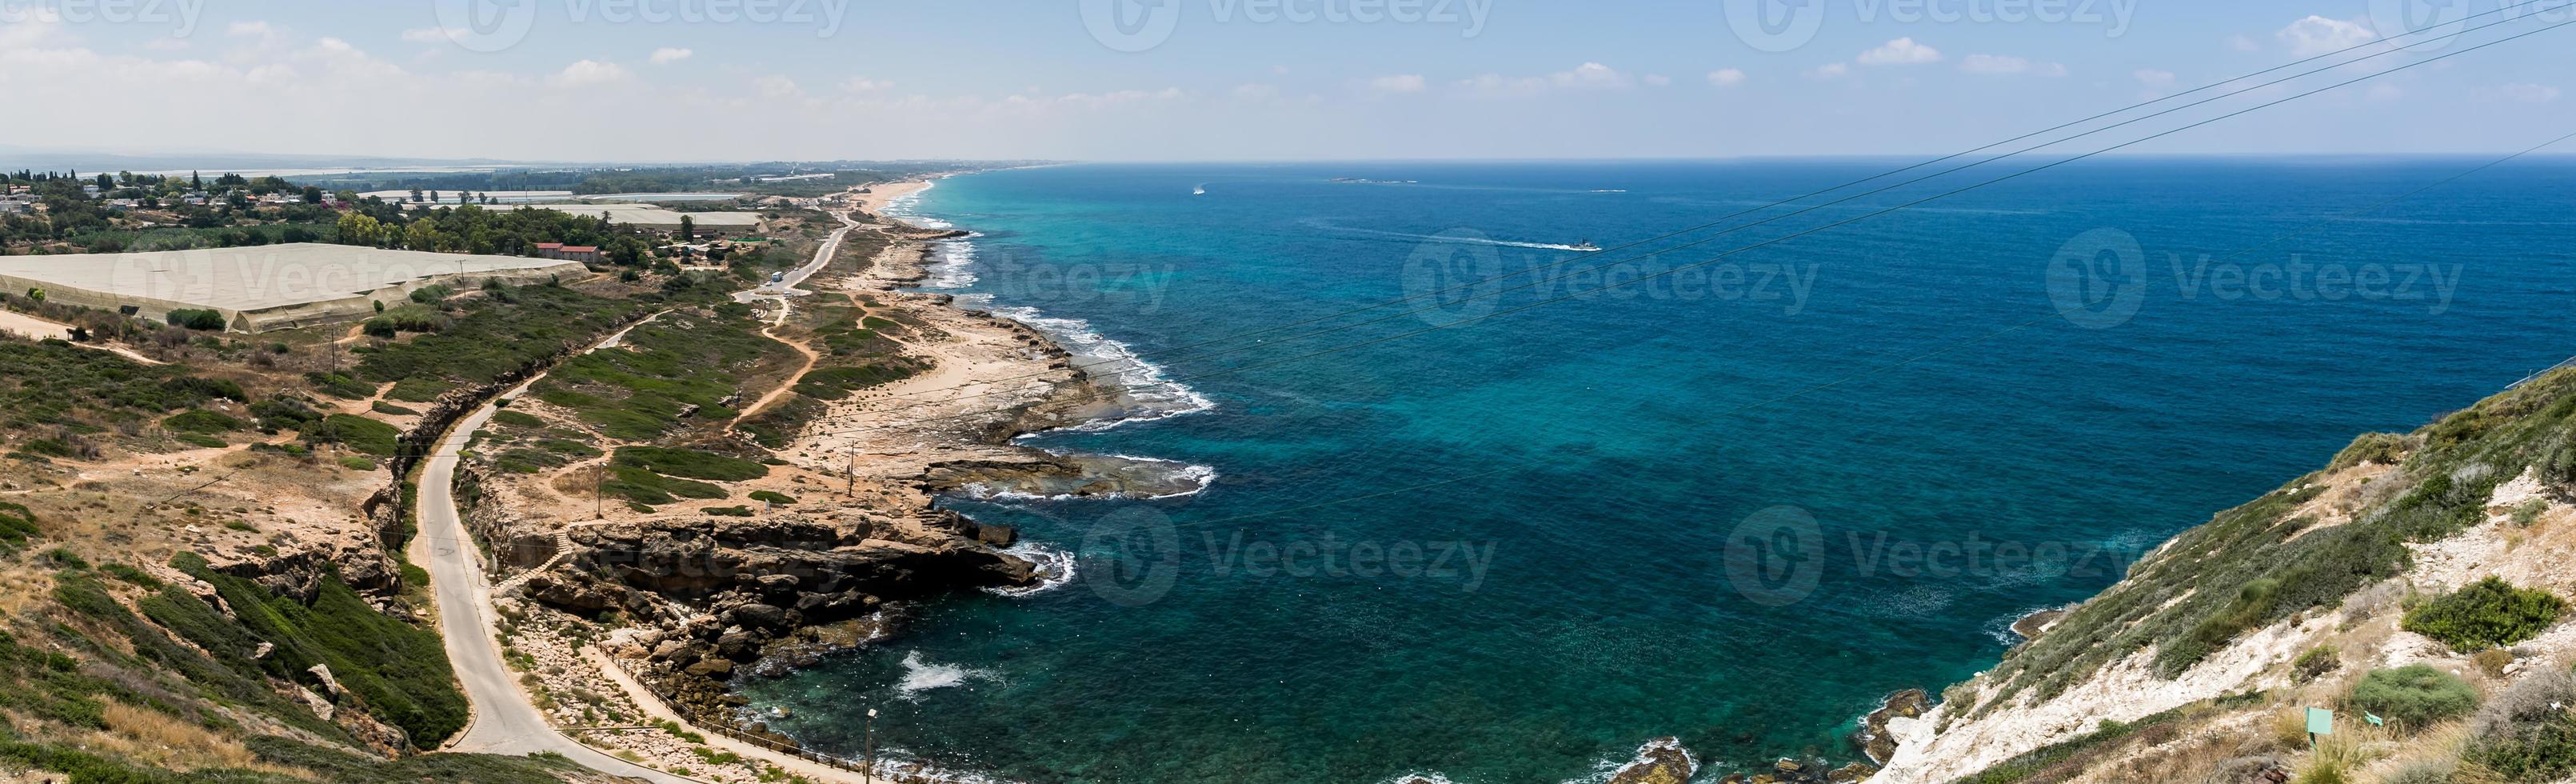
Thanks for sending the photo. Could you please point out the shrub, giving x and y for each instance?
(357, 432)
(772, 496)
(690, 463)
(2316, 663)
(383, 407)
(2490, 613)
(356, 463)
(2432, 771)
(727, 511)
(196, 319)
(432, 293)
(2387, 448)
(202, 422)
(2415, 695)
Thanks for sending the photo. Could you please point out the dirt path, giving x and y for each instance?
(784, 386)
(33, 328)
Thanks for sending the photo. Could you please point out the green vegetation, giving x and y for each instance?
(17, 525)
(678, 368)
(390, 409)
(197, 319)
(2109, 740)
(355, 432)
(772, 496)
(2386, 448)
(340, 385)
(727, 511)
(2488, 614)
(2316, 663)
(2527, 735)
(400, 672)
(2415, 695)
(517, 419)
(432, 293)
(81, 392)
(777, 426)
(408, 318)
(2258, 564)
(689, 463)
(356, 463)
(493, 339)
(646, 487)
(202, 422)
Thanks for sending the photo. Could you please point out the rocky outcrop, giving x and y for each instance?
(1661, 761)
(1873, 737)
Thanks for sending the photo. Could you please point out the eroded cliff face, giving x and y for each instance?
(2200, 664)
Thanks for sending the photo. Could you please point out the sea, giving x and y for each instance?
(1484, 504)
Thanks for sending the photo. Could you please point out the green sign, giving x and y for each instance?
(2320, 721)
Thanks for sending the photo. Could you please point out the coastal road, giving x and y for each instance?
(504, 721)
(786, 286)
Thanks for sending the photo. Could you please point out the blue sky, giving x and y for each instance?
(1226, 79)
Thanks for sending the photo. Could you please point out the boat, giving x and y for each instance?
(1585, 246)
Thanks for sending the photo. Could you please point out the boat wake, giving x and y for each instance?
(1451, 238)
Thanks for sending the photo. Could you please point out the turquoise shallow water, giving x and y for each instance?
(1550, 560)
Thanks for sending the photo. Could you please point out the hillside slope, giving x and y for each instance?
(2201, 663)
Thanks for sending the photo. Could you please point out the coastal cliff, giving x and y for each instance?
(2412, 586)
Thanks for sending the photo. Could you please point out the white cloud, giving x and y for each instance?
(862, 84)
(2002, 65)
(166, 44)
(1400, 83)
(1255, 92)
(777, 87)
(670, 54)
(2154, 78)
(1902, 51)
(2517, 93)
(1588, 76)
(1726, 77)
(2317, 35)
(587, 73)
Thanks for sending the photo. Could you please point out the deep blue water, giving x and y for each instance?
(1597, 456)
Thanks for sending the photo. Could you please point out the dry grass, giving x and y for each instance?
(22, 588)
(163, 740)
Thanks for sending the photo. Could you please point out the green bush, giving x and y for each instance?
(356, 463)
(2387, 448)
(398, 671)
(2415, 695)
(432, 293)
(197, 319)
(340, 385)
(2316, 663)
(518, 419)
(772, 496)
(690, 463)
(356, 432)
(727, 511)
(390, 409)
(202, 422)
(2488, 614)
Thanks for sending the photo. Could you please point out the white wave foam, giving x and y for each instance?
(955, 266)
(920, 676)
(1422, 777)
(1606, 770)
(907, 208)
(1152, 394)
(1055, 569)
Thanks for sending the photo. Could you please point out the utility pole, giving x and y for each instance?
(597, 507)
(853, 474)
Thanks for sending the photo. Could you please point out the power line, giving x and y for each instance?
(2386, 41)
(1766, 243)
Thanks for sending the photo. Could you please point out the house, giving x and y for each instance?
(12, 207)
(587, 254)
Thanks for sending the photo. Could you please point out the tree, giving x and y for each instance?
(106, 182)
(688, 228)
(196, 183)
(415, 195)
(312, 194)
(36, 294)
